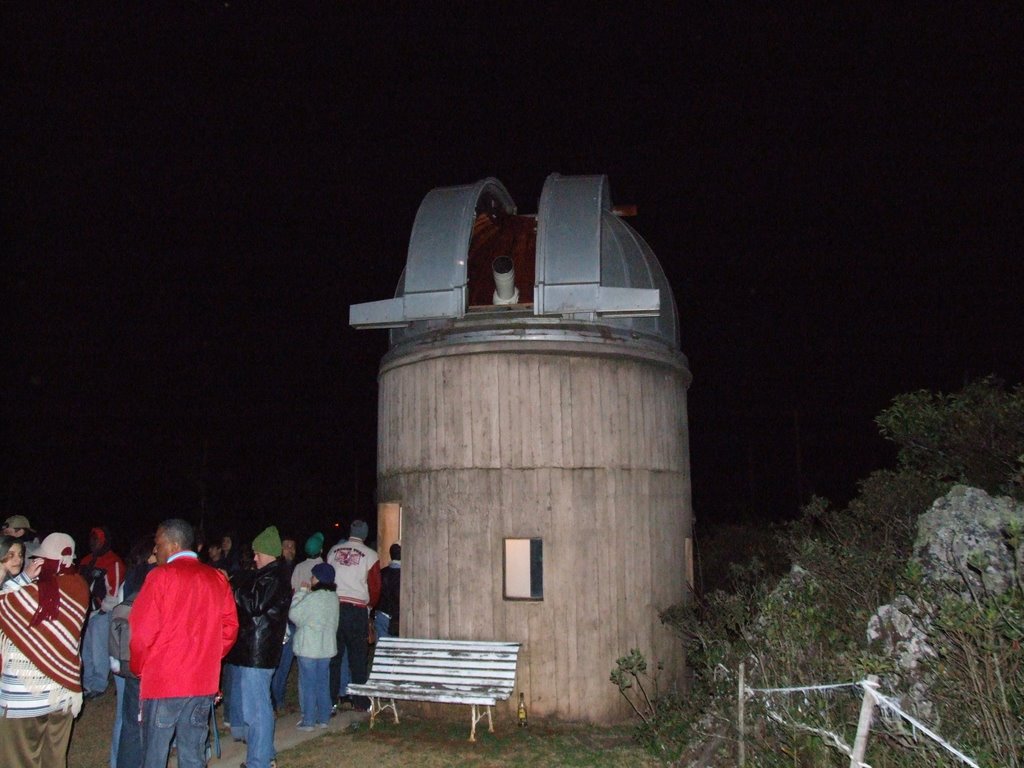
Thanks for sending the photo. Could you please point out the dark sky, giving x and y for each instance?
(192, 202)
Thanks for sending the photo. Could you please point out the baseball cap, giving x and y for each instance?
(17, 521)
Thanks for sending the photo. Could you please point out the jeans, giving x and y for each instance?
(353, 627)
(96, 653)
(186, 719)
(280, 682)
(381, 621)
(129, 747)
(257, 715)
(115, 740)
(341, 675)
(314, 690)
(233, 701)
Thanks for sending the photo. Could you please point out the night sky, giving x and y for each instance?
(192, 202)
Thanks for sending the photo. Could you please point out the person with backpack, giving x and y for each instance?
(126, 744)
(103, 570)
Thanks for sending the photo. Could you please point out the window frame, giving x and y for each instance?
(532, 598)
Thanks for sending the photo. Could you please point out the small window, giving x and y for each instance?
(524, 569)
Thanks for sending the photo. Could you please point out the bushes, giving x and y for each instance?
(809, 626)
(974, 437)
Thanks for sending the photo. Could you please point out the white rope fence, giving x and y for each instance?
(889, 704)
(872, 698)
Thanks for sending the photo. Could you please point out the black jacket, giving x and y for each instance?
(262, 598)
(390, 596)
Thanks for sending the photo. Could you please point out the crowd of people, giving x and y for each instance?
(177, 625)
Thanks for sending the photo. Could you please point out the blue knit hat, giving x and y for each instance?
(324, 573)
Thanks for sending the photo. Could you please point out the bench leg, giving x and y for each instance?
(376, 707)
(477, 716)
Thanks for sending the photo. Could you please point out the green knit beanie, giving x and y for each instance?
(314, 544)
(268, 542)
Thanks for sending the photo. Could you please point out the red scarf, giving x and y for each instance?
(51, 643)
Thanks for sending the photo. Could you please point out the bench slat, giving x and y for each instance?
(442, 680)
(453, 659)
(448, 645)
(412, 665)
(437, 697)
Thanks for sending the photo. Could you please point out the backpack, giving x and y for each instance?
(119, 640)
(96, 578)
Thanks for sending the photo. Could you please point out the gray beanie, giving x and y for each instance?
(359, 530)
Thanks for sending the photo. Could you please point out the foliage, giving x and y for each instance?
(808, 626)
(980, 668)
(974, 436)
(660, 732)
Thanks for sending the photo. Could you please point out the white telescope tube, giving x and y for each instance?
(505, 291)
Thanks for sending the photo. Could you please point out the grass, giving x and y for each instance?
(416, 742)
(436, 744)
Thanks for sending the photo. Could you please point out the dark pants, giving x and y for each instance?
(353, 628)
(279, 684)
(186, 719)
(129, 748)
(340, 674)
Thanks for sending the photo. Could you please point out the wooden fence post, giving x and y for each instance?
(867, 710)
(741, 724)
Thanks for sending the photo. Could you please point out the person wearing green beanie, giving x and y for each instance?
(268, 542)
(262, 597)
(315, 545)
(302, 574)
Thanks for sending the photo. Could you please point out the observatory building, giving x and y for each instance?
(533, 440)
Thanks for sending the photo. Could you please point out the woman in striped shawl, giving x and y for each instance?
(40, 677)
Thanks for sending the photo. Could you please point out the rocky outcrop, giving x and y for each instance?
(962, 542)
(961, 549)
(901, 628)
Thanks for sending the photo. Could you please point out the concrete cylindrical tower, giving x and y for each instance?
(542, 466)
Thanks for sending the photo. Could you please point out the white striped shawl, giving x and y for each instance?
(52, 646)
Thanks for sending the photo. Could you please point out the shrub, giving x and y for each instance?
(809, 626)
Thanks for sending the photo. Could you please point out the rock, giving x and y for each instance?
(902, 629)
(961, 542)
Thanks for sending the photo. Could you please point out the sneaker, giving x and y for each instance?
(304, 727)
(321, 725)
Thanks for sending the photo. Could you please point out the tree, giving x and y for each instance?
(975, 436)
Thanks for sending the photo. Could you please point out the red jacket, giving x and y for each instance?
(183, 623)
(112, 563)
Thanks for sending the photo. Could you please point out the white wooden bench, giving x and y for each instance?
(474, 672)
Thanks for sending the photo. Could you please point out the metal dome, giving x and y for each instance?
(580, 269)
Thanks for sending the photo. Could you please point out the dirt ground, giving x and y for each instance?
(415, 741)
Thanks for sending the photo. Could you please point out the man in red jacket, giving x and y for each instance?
(182, 624)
